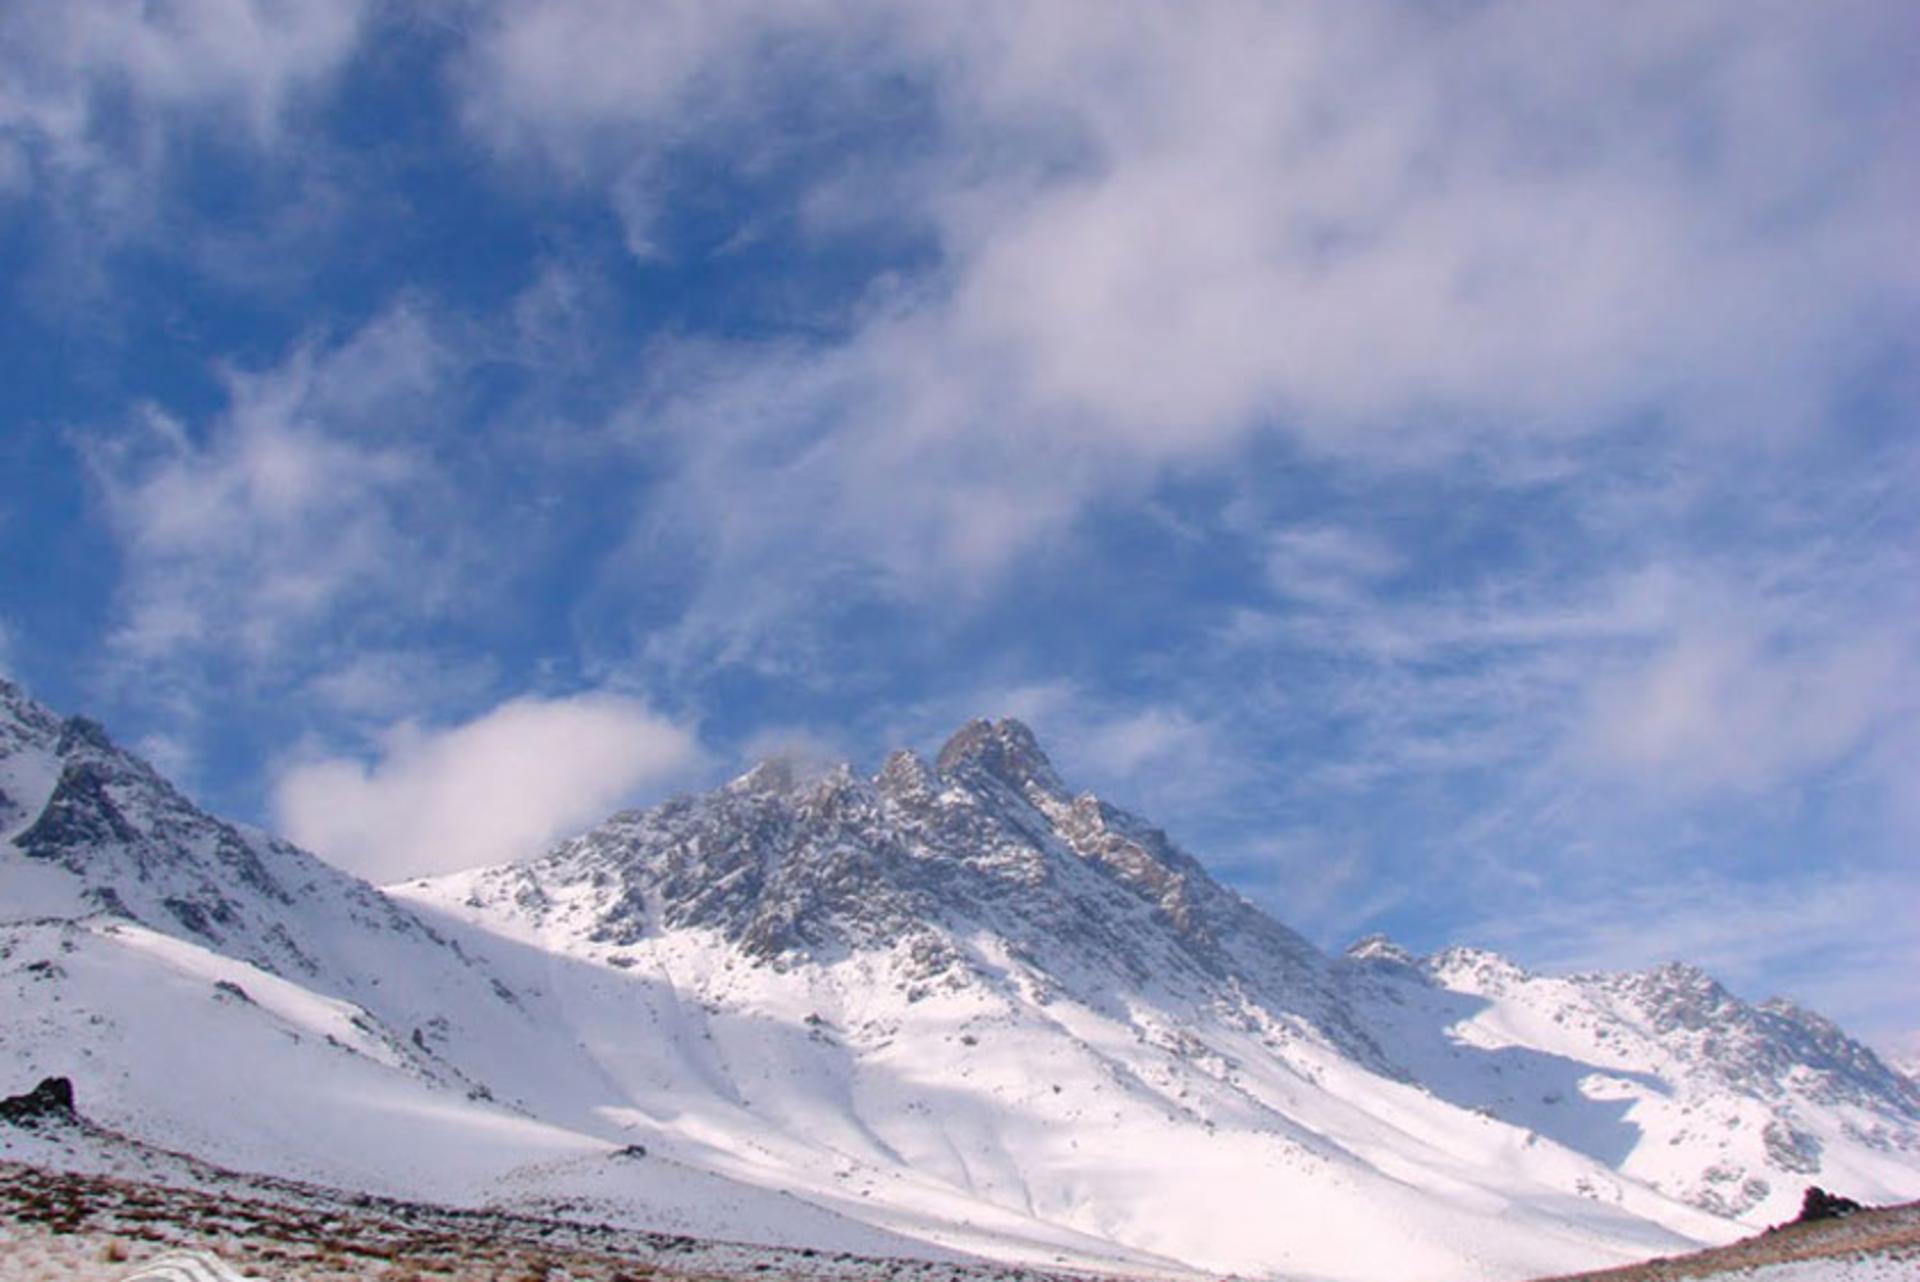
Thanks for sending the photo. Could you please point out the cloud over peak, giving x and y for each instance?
(499, 787)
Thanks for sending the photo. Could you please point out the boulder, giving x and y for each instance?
(1822, 1205)
(51, 1100)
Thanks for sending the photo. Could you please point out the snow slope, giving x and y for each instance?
(1664, 1075)
(950, 1008)
(963, 981)
(214, 990)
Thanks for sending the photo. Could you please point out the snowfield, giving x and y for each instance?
(953, 1012)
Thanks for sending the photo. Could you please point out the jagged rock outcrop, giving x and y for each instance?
(917, 857)
(50, 1101)
(1818, 1204)
(136, 847)
(99, 835)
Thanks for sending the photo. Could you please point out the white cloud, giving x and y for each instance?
(90, 91)
(299, 499)
(1717, 708)
(1327, 563)
(171, 756)
(496, 788)
(1672, 671)
(1351, 218)
(1153, 738)
(594, 92)
(580, 84)
(1391, 234)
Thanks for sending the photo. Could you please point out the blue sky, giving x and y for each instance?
(1453, 465)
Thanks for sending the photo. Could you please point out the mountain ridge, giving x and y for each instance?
(951, 1003)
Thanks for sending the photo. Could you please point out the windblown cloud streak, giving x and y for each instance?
(1162, 233)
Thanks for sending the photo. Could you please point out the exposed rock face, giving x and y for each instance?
(1822, 1205)
(916, 857)
(1763, 1048)
(136, 847)
(50, 1101)
(1004, 750)
(96, 832)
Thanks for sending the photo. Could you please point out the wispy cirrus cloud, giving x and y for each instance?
(1162, 235)
(247, 535)
(1647, 690)
(95, 98)
(1717, 708)
(1608, 284)
(603, 96)
(1449, 450)
(91, 81)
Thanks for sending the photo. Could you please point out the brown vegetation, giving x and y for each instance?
(1893, 1231)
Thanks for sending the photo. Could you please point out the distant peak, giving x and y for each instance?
(1004, 749)
(1461, 961)
(903, 771)
(21, 708)
(1379, 948)
(1679, 974)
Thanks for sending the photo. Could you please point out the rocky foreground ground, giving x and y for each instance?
(63, 1227)
(1866, 1246)
(70, 1212)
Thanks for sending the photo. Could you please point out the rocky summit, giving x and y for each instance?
(917, 858)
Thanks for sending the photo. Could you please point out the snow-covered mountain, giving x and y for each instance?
(215, 990)
(1663, 1075)
(950, 1007)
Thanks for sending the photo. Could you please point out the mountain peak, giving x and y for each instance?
(77, 732)
(904, 773)
(1005, 750)
(1380, 948)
